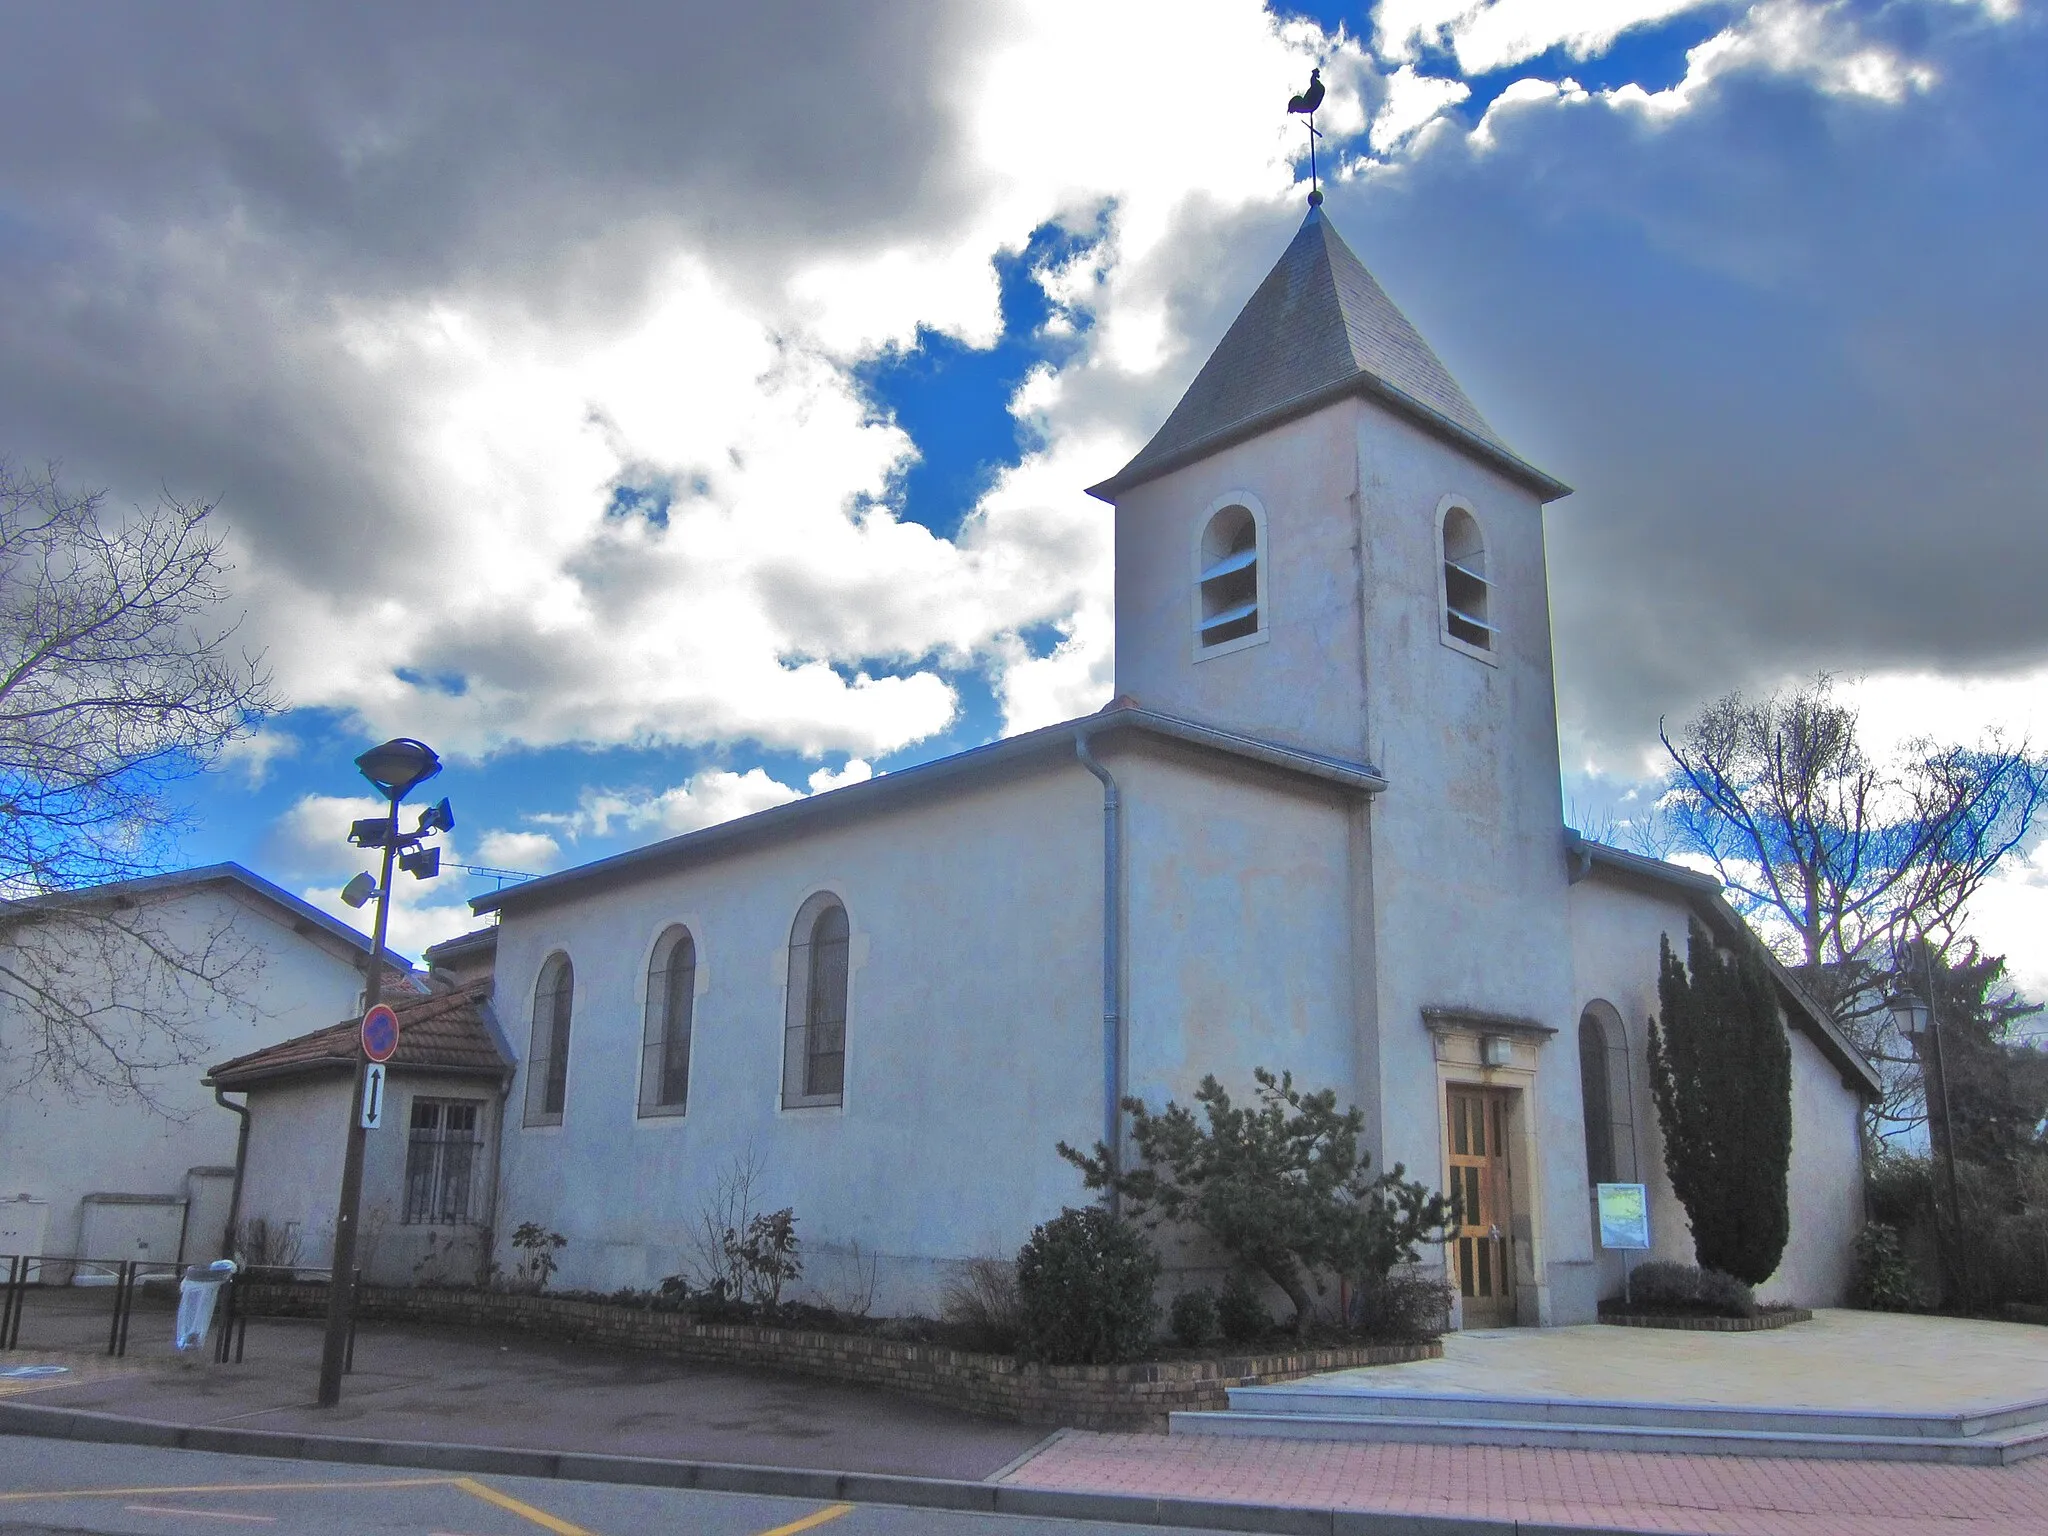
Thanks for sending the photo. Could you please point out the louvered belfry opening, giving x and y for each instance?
(1230, 577)
(1466, 593)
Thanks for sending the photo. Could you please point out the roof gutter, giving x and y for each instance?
(227, 1238)
(1362, 777)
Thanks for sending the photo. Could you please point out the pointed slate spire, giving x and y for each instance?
(1318, 328)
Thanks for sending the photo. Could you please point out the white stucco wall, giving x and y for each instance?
(60, 1149)
(973, 1043)
(1238, 928)
(1615, 932)
(298, 1131)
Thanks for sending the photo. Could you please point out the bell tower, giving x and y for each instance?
(1323, 504)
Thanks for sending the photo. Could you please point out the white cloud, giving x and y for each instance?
(1817, 42)
(312, 835)
(855, 772)
(1412, 102)
(531, 853)
(254, 753)
(1493, 34)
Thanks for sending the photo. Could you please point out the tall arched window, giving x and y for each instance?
(547, 1062)
(1607, 1089)
(814, 1033)
(1227, 579)
(665, 1040)
(1467, 611)
(1598, 1108)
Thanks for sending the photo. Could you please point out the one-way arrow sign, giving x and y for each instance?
(373, 1096)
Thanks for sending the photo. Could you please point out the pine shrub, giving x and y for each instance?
(1084, 1288)
(1721, 1072)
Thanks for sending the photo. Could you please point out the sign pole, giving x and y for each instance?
(341, 1298)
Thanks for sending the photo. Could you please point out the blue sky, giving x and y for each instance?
(658, 469)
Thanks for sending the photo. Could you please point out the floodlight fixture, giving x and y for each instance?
(359, 890)
(421, 863)
(399, 766)
(370, 832)
(438, 817)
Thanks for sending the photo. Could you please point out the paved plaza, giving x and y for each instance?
(1841, 1360)
(481, 1389)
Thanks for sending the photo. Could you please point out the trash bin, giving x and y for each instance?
(198, 1292)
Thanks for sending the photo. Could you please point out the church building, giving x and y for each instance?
(1319, 829)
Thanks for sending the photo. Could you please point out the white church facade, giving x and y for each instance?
(1319, 829)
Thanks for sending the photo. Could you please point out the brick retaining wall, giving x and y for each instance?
(1763, 1322)
(1083, 1396)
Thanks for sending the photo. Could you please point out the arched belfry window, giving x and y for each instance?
(547, 1061)
(665, 1040)
(1230, 579)
(1606, 1090)
(1467, 596)
(814, 1032)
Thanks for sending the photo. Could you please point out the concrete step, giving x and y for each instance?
(1320, 1402)
(1990, 1448)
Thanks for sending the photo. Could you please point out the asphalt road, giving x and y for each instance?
(65, 1486)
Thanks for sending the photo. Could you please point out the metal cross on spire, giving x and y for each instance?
(1306, 104)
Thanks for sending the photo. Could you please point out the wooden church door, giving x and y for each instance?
(1483, 1249)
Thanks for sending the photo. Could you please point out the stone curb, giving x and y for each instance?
(775, 1482)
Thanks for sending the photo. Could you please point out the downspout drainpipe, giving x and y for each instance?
(1112, 965)
(227, 1241)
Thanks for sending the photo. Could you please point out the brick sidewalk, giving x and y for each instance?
(1708, 1495)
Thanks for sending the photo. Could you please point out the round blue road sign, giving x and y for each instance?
(380, 1033)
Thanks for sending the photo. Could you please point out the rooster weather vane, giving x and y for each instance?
(1306, 104)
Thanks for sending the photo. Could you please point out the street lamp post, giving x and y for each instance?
(1919, 1021)
(396, 768)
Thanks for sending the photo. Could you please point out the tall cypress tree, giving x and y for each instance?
(1721, 1070)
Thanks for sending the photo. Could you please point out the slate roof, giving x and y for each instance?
(888, 790)
(301, 915)
(446, 1031)
(1318, 328)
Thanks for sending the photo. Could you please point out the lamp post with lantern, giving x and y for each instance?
(396, 769)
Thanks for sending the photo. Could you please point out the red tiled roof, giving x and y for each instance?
(443, 1031)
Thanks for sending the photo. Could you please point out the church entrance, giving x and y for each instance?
(1483, 1250)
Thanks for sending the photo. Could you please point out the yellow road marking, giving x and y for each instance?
(136, 1493)
(539, 1517)
(816, 1517)
(211, 1514)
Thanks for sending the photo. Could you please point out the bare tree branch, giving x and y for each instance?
(118, 679)
(1844, 864)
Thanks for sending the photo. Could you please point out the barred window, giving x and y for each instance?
(547, 1066)
(665, 1041)
(441, 1161)
(814, 1035)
